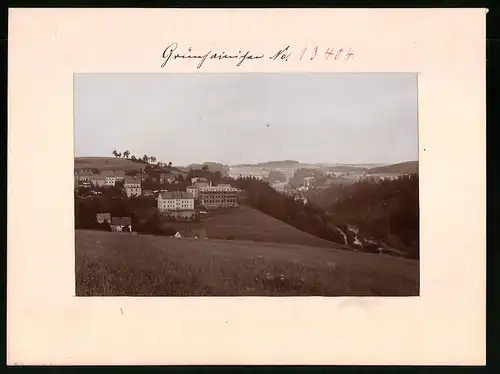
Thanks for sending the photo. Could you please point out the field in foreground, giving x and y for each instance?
(115, 264)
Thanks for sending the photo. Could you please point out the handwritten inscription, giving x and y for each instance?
(173, 52)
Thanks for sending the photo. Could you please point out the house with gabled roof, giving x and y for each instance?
(101, 217)
(84, 175)
(98, 180)
(166, 177)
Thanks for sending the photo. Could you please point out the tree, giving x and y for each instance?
(204, 167)
(217, 176)
(119, 155)
(115, 153)
(153, 159)
(145, 158)
(126, 154)
(133, 158)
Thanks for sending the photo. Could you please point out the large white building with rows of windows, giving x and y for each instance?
(175, 201)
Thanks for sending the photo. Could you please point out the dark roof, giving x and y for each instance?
(129, 179)
(85, 172)
(98, 177)
(201, 184)
(104, 216)
(176, 195)
(121, 221)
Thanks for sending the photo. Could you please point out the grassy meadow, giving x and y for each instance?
(116, 264)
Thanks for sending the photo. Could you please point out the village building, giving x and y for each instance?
(301, 199)
(193, 190)
(200, 180)
(148, 193)
(218, 197)
(178, 204)
(167, 177)
(84, 175)
(102, 217)
(121, 224)
(110, 178)
(308, 181)
(119, 175)
(113, 176)
(98, 180)
(132, 187)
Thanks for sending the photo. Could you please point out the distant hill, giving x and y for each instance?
(410, 167)
(212, 166)
(284, 163)
(343, 169)
(113, 163)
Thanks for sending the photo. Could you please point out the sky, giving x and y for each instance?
(249, 117)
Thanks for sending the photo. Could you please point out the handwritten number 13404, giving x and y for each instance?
(329, 52)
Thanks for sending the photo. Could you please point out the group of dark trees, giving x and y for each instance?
(143, 160)
(384, 210)
(144, 215)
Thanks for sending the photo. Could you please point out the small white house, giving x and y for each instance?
(121, 224)
(132, 187)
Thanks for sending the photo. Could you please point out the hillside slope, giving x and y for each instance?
(410, 167)
(115, 264)
(112, 163)
(245, 223)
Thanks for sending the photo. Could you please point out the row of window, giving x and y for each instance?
(214, 201)
(218, 193)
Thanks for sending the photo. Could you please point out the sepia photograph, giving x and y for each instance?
(249, 184)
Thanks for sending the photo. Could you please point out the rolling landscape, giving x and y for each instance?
(113, 163)
(246, 184)
(245, 251)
